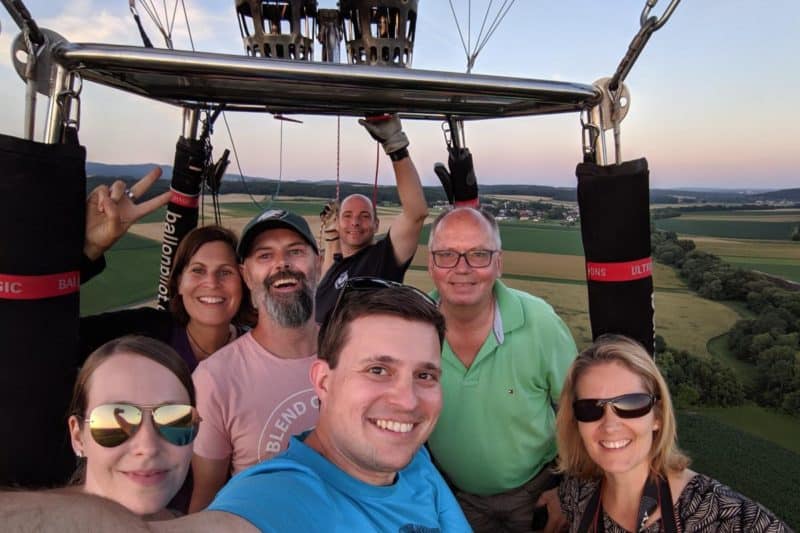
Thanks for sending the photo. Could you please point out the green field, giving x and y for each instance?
(131, 275)
(544, 238)
(751, 465)
(729, 228)
(756, 215)
(718, 347)
(155, 216)
(778, 428)
(783, 268)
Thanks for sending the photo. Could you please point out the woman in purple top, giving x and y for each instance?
(209, 304)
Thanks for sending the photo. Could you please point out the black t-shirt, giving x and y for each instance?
(375, 260)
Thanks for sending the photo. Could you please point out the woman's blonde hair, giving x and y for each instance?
(573, 459)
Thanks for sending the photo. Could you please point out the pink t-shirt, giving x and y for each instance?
(251, 403)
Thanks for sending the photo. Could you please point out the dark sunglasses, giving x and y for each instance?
(632, 405)
(369, 283)
(112, 424)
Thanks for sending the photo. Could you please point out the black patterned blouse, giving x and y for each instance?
(705, 505)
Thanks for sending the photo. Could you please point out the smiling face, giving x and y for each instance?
(144, 472)
(461, 231)
(210, 285)
(357, 223)
(619, 446)
(381, 401)
(281, 273)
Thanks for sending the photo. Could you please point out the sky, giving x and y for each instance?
(712, 94)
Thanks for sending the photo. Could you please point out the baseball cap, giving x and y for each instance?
(271, 219)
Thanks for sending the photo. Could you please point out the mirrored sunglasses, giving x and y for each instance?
(633, 405)
(112, 424)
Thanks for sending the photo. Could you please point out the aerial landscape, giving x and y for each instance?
(724, 196)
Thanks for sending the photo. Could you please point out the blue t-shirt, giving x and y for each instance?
(299, 490)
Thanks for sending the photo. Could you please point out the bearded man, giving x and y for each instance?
(254, 394)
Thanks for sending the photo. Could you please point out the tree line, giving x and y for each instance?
(770, 340)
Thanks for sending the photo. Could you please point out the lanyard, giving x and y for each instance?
(656, 492)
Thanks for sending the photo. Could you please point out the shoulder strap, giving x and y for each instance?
(653, 492)
(591, 512)
(667, 510)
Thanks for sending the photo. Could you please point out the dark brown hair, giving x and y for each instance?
(152, 349)
(401, 301)
(189, 246)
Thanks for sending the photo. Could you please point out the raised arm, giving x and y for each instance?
(330, 235)
(111, 211)
(407, 226)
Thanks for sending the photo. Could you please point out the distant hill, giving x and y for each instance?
(232, 183)
(124, 171)
(791, 195)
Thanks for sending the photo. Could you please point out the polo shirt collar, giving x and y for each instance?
(508, 314)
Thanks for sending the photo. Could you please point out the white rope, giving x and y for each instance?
(498, 19)
(458, 27)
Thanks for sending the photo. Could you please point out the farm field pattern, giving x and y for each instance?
(761, 225)
(753, 240)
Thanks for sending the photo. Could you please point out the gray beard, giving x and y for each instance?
(291, 311)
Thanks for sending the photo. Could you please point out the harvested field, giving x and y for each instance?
(687, 322)
(748, 248)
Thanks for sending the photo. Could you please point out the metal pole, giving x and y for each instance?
(456, 132)
(30, 95)
(596, 117)
(55, 113)
(191, 120)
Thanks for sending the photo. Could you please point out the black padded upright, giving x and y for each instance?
(614, 205)
(42, 203)
(182, 210)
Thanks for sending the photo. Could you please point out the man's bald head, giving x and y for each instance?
(358, 223)
(455, 215)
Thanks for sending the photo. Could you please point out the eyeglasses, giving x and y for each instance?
(474, 258)
(112, 424)
(369, 283)
(633, 405)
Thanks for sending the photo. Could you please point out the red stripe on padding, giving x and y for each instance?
(625, 271)
(14, 287)
(184, 200)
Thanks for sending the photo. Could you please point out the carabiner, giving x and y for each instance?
(660, 21)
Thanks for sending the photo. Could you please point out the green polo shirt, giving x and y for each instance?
(497, 427)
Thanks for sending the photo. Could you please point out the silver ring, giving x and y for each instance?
(129, 194)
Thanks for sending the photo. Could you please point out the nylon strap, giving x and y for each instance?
(655, 493)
